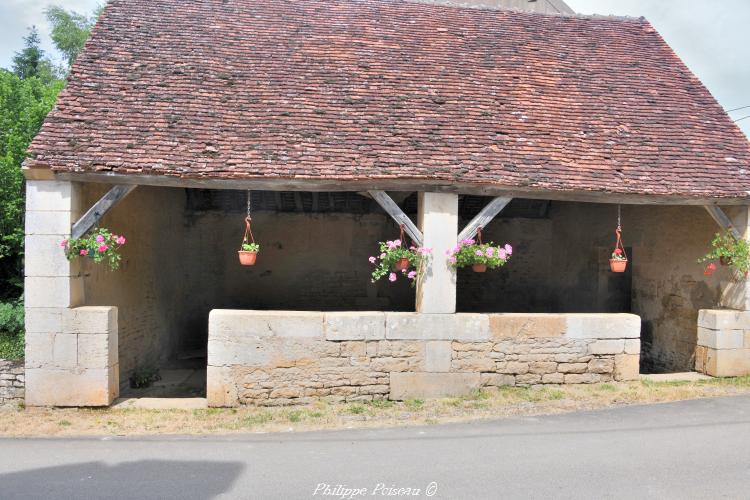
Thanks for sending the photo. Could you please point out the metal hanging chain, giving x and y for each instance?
(619, 225)
(249, 202)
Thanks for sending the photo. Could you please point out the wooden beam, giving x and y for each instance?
(101, 207)
(484, 217)
(291, 184)
(398, 215)
(722, 220)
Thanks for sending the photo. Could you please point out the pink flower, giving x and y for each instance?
(99, 238)
(84, 251)
(392, 277)
(120, 240)
(103, 248)
(449, 252)
(382, 255)
(501, 253)
(489, 251)
(452, 260)
(508, 249)
(424, 251)
(467, 241)
(478, 253)
(64, 243)
(411, 275)
(372, 260)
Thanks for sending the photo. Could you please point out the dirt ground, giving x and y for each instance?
(484, 404)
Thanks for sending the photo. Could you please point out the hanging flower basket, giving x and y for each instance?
(395, 258)
(480, 256)
(248, 252)
(618, 261)
(729, 251)
(101, 246)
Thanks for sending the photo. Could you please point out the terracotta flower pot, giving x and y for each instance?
(725, 261)
(247, 258)
(479, 268)
(401, 264)
(617, 265)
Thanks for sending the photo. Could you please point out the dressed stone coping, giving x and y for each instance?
(294, 357)
(723, 343)
(468, 327)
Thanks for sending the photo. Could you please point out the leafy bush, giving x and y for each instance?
(11, 330)
(730, 250)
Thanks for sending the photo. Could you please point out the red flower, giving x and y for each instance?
(618, 251)
(709, 270)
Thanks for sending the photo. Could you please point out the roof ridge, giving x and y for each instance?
(574, 15)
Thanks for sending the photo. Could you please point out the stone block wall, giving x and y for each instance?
(723, 343)
(79, 366)
(11, 382)
(287, 357)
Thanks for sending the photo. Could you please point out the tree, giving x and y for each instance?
(70, 30)
(31, 62)
(24, 103)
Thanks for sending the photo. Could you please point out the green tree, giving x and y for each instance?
(70, 30)
(31, 61)
(23, 105)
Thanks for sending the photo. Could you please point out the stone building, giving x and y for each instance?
(339, 121)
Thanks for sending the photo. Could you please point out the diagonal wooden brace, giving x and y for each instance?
(101, 207)
(484, 217)
(398, 215)
(722, 220)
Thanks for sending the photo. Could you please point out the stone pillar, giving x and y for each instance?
(438, 221)
(58, 362)
(735, 294)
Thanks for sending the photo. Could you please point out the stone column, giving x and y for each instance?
(58, 362)
(735, 294)
(438, 221)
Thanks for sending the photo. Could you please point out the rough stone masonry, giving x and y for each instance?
(11, 382)
(288, 357)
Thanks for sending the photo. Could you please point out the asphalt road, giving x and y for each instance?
(693, 449)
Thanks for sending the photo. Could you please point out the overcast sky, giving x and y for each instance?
(712, 37)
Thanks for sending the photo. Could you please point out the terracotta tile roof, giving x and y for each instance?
(384, 89)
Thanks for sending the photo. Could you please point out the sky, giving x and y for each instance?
(711, 37)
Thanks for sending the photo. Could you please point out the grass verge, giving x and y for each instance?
(481, 404)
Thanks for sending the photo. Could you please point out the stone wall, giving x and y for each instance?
(11, 382)
(287, 357)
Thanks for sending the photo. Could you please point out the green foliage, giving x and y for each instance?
(70, 30)
(144, 376)
(468, 253)
(251, 247)
(732, 251)
(100, 246)
(23, 106)
(11, 330)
